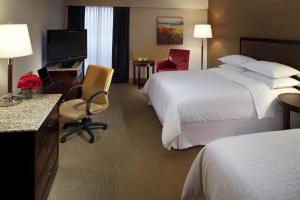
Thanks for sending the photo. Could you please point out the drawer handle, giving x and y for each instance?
(49, 148)
(50, 170)
(53, 123)
(48, 126)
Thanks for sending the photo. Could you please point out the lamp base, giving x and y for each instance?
(9, 100)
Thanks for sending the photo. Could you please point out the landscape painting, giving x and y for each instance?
(169, 30)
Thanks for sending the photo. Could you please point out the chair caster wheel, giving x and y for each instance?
(91, 141)
(104, 127)
(65, 126)
(63, 140)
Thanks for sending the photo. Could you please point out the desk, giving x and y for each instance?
(29, 148)
(139, 65)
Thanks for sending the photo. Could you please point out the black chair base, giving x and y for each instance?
(86, 124)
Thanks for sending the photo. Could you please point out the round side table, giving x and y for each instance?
(289, 102)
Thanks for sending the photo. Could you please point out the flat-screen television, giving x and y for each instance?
(65, 46)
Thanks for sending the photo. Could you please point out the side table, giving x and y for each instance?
(289, 102)
(139, 65)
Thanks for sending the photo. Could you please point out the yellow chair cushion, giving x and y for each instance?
(76, 109)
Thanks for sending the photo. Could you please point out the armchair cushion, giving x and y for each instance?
(162, 64)
(183, 66)
(76, 109)
(178, 60)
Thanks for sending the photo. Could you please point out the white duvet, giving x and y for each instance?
(205, 96)
(262, 166)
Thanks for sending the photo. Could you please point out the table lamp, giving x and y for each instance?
(202, 31)
(14, 42)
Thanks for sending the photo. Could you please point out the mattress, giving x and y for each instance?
(262, 166)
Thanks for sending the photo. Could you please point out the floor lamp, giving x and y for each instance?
(202, 31)
(14, 42)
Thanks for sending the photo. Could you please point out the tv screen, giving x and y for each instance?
(66, 45)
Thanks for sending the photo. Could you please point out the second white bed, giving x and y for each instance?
(261, 166)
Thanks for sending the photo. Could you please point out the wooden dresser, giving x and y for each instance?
(71, 76)
(29, 148)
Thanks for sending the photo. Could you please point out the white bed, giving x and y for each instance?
(196, 107)
(262, 166)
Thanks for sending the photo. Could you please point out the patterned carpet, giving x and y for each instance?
(127, 161)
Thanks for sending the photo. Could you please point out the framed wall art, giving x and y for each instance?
(169, 30)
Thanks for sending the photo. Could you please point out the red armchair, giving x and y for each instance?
(178, 60)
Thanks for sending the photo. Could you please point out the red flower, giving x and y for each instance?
(29, 81)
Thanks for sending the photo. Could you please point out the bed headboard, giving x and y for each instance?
(283, 51)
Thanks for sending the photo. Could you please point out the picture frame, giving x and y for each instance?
(170, 30)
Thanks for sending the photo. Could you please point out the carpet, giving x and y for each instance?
(127, 161)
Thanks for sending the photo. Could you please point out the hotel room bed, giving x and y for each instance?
(262, 166)
(214, 98)
(196, 107)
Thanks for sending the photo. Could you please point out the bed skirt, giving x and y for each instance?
(197, 134)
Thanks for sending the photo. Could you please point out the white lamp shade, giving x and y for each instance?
(14, 41)
(202, 31)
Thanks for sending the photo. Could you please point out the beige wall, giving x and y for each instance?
(192, 4)
(143, 15)
(232, 19)
(40, 15)
(143, 33)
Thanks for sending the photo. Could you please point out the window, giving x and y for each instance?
(99, 25)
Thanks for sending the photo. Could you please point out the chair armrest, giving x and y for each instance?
(162, 64)
(89, 101)
(68, 92)
(182, 66)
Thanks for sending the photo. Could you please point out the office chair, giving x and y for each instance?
(94, 100)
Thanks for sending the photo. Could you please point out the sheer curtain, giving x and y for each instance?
(99, 25)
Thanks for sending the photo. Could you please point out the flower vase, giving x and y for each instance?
(28, 94)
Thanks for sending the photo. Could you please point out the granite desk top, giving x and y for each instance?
(28, 115)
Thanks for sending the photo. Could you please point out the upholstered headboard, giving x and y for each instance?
(283, 51)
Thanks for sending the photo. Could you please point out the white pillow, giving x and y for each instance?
(236, 60)
(271, 69)
(273, 83)
(233, 68)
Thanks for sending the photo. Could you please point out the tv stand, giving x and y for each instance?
(69, 64)
(71, 76)
(66, 66)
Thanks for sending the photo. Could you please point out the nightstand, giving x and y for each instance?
(148, 64)
(289, 102)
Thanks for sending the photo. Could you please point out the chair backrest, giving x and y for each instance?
(97, 79)
(179, 55)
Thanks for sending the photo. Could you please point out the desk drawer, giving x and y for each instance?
(49, 128)
(46, 139)
(44, 153)
(46, 136)
(48, 171)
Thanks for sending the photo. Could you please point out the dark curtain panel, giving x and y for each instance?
(76, 17)
(120, 50)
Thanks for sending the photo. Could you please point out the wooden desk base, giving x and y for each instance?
(29, 161)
